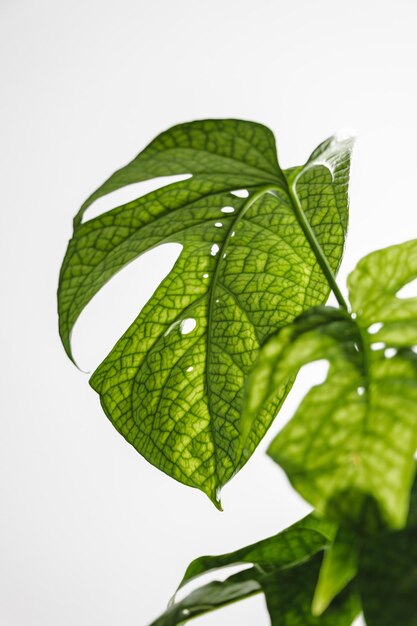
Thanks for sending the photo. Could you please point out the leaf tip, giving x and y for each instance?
(319, 604)
(214, 497)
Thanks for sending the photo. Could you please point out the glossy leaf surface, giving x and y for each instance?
(173, 383)
(349, 449)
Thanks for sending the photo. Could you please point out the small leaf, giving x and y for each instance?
(339, 567)
(349, 448)
(173, 383)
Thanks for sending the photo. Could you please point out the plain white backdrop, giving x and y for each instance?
(90, 534)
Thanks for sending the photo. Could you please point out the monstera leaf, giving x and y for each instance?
(284, 568)
(349, 449)
(249, 265)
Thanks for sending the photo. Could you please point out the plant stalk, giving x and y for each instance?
(316, 247)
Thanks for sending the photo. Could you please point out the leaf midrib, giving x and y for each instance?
(210, 307)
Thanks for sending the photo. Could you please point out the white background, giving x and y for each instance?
(90, 534)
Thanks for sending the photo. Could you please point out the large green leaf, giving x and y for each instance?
(349, 448)
(285, 568)
(173, 383)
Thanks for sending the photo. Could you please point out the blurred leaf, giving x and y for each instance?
(339, 567)
(289, 595)
(388, 579)
(173, 383)
(349, 448)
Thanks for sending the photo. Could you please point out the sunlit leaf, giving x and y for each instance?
(173, 383)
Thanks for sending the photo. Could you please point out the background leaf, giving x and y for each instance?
(339, 567)
(349, 448)
(289, 595)
(173, 383)
(388, 576)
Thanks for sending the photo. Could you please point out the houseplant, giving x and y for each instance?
(198, 378)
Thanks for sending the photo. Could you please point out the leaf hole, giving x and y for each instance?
(240, 193)
(228, 209)
(390, 352)
(205, 275)
(408, 291)
(115, 307)
(375, 328)
(377, 345)
(214, 249)
(130, 193)
(187, 326)
(190, 369)
(218, 224)
(360, 391)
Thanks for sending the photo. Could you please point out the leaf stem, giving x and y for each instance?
(315, 246)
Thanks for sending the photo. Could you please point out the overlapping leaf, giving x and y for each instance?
(388, 575)
(293, 545)
(285, 570)
(339, 568)
(173, 383)
(349, 448)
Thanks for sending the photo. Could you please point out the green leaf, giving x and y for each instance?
(349, 448)
(339, 567)
(289, 595)
(285, 569)
(388, 574)
(388, 579)
(412, 513)
(291, 546)
(209, 597)
(173, 383)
